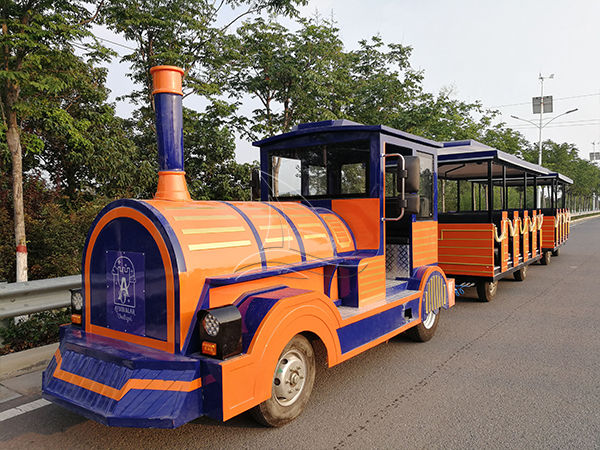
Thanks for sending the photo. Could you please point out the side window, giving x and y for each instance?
(354, 178)
(391, 168)
(287, 177)
(317, 180)
(426, 185)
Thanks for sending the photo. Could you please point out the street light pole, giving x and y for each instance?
(541, 78)
(540, 126)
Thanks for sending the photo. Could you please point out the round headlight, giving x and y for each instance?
(211, 325)
(76, 300)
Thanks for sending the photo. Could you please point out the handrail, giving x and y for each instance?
(499, 238)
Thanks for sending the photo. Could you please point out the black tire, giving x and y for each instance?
(426, 329)
(521, 274)
(293, 380)
(546, 258)
(486, 290)
(556, 252)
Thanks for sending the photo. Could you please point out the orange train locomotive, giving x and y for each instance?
(194, 308)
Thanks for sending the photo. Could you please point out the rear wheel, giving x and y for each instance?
(520, 274)
(556, 252)
(486, 290)
(546, 258)
(292, 384)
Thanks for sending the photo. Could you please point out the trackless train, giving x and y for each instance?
(192, 308)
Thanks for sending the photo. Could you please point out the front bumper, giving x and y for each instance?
(123, 384)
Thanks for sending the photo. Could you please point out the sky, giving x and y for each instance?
(488, 51)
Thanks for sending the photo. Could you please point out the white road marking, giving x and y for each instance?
(9, 414)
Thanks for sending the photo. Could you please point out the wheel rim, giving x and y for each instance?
(290, 377)
(493, 286)
(429, 320)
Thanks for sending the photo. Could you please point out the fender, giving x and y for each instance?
(247, 380)
(425, 273)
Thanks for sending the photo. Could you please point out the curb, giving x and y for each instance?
(26, 361)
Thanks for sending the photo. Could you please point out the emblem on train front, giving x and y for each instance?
(123, 273)
(125, 292)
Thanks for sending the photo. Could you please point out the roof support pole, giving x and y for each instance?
(490, 193)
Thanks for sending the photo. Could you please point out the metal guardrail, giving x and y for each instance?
(19, 299)
(585, 213)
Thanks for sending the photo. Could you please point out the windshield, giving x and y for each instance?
(328, 170)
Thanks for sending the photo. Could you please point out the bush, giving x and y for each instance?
(37, 330)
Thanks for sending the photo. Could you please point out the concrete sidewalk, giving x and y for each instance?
(21, 372)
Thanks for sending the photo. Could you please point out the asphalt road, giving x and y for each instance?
(522, 372)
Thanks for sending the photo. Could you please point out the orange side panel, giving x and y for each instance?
(363, 216)
(487, 243)
(548, 227)
(456, 250)
(534, 234)
(463, 269)
(504, 245)
(468, 260)
(466, 249)
(425, 243)
(526, 236)
(371, 280)
(516, 250)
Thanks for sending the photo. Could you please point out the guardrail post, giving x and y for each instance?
(3, 324)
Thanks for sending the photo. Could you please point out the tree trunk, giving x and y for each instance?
(13, 139)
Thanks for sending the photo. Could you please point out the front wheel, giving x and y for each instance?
(520, 274)
(292, 384)
(486, 290)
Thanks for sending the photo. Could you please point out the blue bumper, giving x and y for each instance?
(122, 384)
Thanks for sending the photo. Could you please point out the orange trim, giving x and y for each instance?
(116, 213)
(167, 79)
(133, 383)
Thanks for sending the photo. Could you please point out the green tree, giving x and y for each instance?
(296, 77)
(36, 35)
(385, 89)
(86, 149)
(507, 140)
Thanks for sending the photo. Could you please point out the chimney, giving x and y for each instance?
(169, 133)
